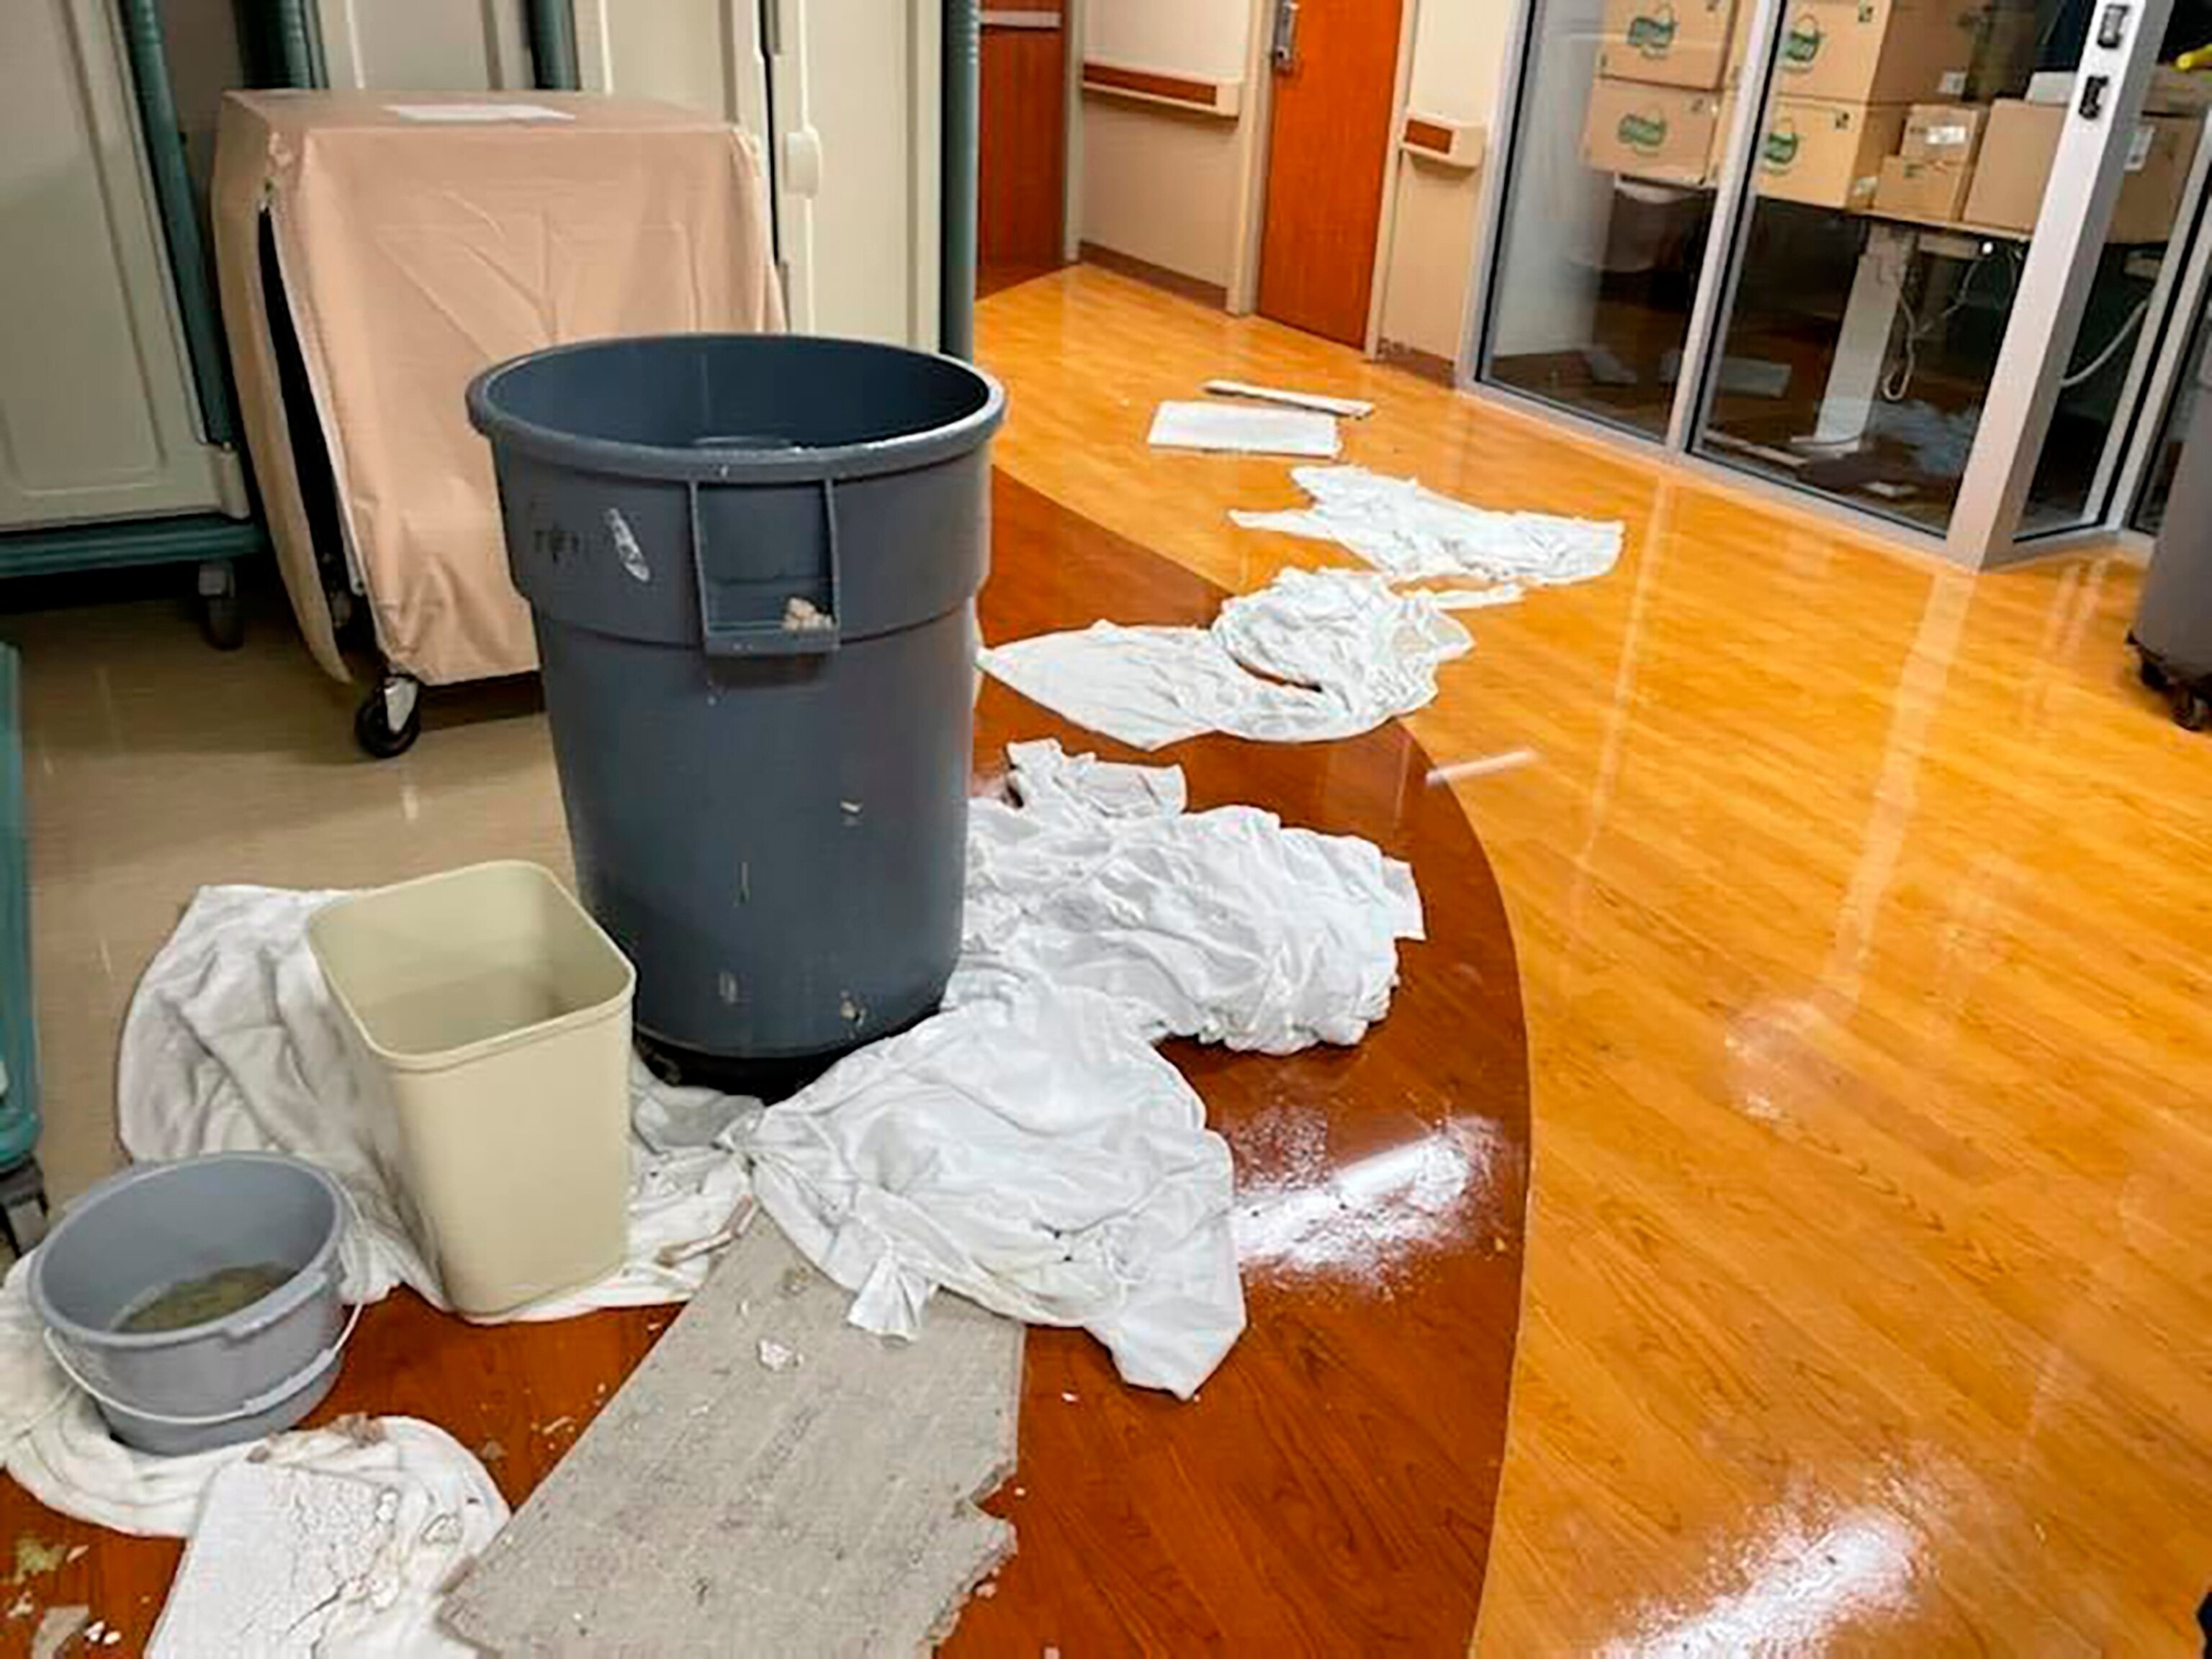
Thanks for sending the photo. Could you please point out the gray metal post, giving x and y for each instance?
(961, 144)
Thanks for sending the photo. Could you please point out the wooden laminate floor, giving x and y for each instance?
(1865, 914)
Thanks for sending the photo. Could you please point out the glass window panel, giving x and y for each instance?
(1608, 201)
(1898, 176)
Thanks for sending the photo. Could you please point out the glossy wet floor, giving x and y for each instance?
(1864, 914)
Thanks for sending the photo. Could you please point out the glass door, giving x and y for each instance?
(1920, 325)
(1606, 210)
(2165, 461)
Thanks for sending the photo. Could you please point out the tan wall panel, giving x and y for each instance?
(1431, 256)
(1160, 186)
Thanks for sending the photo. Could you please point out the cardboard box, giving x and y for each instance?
(2158, 159)
(1678, 43)
(1648, 131)
(1916, 188)
(2020, 139)
(1876, 52)
(2018, 142)
(1950, 133)
(1827, 154)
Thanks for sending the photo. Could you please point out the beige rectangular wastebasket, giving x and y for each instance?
(491, 1017)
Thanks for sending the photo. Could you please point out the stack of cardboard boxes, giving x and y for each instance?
(1846, 80)
(1869, 112)
(1655, 109)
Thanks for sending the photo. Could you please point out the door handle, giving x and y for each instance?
(802, 162)
(1283, 47)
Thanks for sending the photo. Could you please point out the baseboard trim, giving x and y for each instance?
(1414, 361)
(1159, 277)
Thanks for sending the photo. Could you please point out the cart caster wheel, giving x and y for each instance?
(390, 718)
(222, 618)
(23, 1207)
(2192, 711)
(2152, 676)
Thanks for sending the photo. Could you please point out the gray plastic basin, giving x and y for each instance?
(154, 1225)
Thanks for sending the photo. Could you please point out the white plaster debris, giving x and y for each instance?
(57, 1628)
(802, 615)
(775, 1355)
(289, 1558)
(626, 548)
(1242, 429)
(1314, 656)
(1352, 408)
(1398, 526)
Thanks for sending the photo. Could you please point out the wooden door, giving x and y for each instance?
(1335, 85)
(1023, 169)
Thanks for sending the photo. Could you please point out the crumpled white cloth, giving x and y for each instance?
(1225, 925)
(1027, 1148)
(233, 1043)
(1033, 1153)
(1398, 526)
(1315, 656)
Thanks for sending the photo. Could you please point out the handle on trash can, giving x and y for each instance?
(798, 615)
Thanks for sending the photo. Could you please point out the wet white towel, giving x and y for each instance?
(1315, 655)
(1398, 526)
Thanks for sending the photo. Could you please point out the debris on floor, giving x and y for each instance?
(775, 1356)
(1350, 408)
(1398, 526)
(840, 1517)
(58, 1628)
(34, 1556)
(1239, 428)
(349, 1554)
(1314, 656)
(21, 1607)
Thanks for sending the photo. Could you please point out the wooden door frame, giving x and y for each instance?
(1258, 121)
(1074, 17)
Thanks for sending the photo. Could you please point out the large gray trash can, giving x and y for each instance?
(752, 561)
(2173, 623)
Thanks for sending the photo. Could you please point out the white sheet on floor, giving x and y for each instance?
(1398, 526)
(1033, 1153)
(1314, 656)
(306, 1552)
(1243, 429)
(233, 1043)
(1225, 925)
(1101, 916)
(1027, 1148)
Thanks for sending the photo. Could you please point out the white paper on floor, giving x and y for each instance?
(1243, 429)
(1314, 656)
(1397, 525)
(293, 1556)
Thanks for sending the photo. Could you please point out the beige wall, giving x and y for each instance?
(1459, 51)
(1160, 185)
